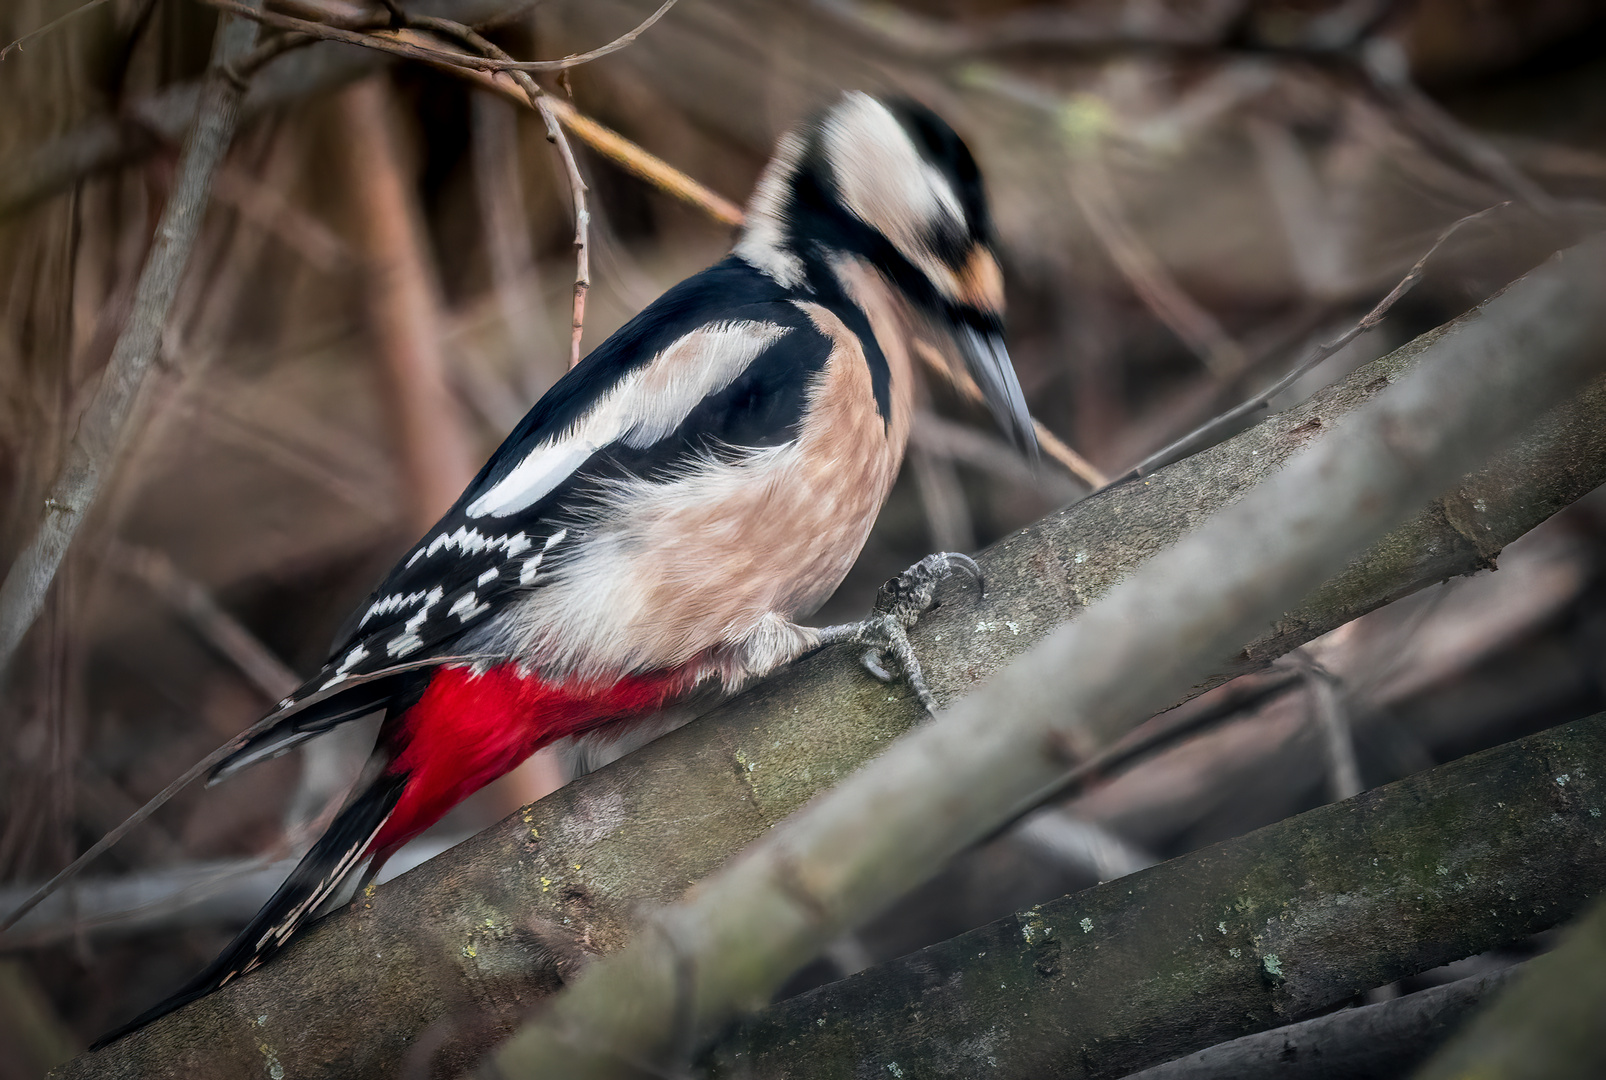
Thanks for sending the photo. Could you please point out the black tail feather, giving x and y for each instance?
(313, 881)
(313, 714)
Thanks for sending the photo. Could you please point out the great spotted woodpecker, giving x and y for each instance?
(664, 515)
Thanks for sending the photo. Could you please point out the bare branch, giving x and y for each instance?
(1383, 1039)
(385, 42)
(101, 429)
(540, 102)
(654, 170)
(1231, 939)
(1547, 1022)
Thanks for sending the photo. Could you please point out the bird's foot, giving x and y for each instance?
(899, 605)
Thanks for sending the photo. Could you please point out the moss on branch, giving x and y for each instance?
(1250, 934)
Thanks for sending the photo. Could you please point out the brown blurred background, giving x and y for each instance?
(1189, 196)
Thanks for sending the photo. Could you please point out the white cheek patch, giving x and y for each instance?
(644, 407)
(885, 182)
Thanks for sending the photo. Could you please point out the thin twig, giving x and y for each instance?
(1199, 437)
(989, 453)
(101, 430)
(49, 26)
(1338, 738)
(577, 186)
(653, 169)
(620, 150)
(429, 54)
(1074, 463)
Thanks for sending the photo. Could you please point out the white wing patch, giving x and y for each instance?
(643, 408)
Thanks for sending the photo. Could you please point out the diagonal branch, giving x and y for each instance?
(732, 943)
(101, 429)
(430, 53)
(1237, 937)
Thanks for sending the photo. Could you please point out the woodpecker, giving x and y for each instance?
(662, 517)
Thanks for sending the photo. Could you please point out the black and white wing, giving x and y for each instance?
(721, 362)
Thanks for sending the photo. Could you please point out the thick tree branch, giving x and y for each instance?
(1235, 938)
(1548, 1022)
(100, 429)
(887, 828)
(1374, 1040)
(480, 927)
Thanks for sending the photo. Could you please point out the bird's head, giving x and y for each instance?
(891, 184)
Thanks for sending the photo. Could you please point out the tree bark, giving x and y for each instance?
(1372, 1041)
(493, 925)
(1547, 1024)
(1235, 938)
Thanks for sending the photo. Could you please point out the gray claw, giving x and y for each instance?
(899, 605)
(872, 663)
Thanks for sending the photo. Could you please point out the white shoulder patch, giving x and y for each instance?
(646, 405)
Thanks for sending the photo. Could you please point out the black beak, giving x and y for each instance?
(988, 363)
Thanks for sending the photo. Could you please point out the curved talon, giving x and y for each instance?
(967, 564)
(871, 660)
